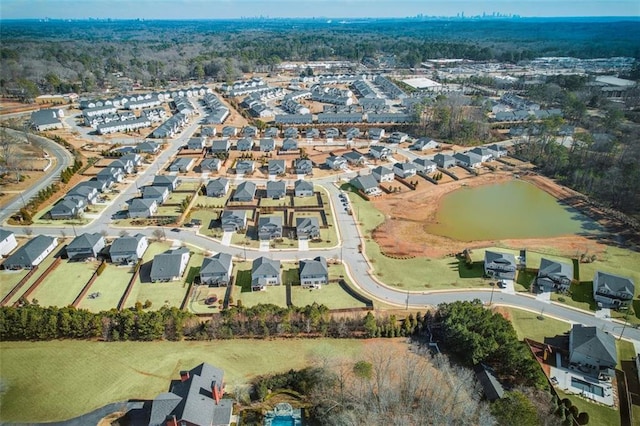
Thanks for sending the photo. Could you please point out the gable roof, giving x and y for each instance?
(245, 189)
(167, 264)
(381, 171)
(276, 166)
(164, 180)
(364, 182)
(502, 264)
(302, 185)
(557, 272)
(29, 252)
(216, 265)
(615, 285)
(217, 185)
(276, 187)
(307, 224)
(85, 241)
(265, 266)
(593, 342)
(126, 244)
(490, 385)
(154, 191)
(141, 204)
(5, 234)
(317, 266)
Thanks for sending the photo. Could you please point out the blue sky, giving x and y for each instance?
(212, 9)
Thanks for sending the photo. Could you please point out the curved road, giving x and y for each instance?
(357, 265)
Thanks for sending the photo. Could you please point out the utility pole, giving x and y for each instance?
(492, 287)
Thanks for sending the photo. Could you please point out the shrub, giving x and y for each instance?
(583, 418)
(101, 268)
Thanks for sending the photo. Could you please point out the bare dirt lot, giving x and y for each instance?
(409, 212)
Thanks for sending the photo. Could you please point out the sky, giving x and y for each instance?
(221, 9)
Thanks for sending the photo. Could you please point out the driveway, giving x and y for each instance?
(226, 238)
(303, 245)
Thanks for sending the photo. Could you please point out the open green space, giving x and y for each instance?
(178, 197)
(202, 201)
(270, 202)
(168, 211)
(62, 379)
(598, 414)
(41, 268)
(242, 289)
(527, 325)
(9, 279)
(63, 284)
(188, 186)
(306, 201)
(201, 293)
(111, 284)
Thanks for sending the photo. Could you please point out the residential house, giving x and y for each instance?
(354, 158)
(612, 291)
(497, 151)
(314, 272)
(592, 351)
(112, 174)
(244, 167)
(312, 134)
(331, 133)
(367, 184)
(468, 159)
(289, 145)
(424, 144)
(444, 161)
(250, 131)
(182, 164)
(217, 187)
(352, 133)
(276, 167)
(216, 270)
(157, 193)
(210, 165)
(382, 174)
(269, 227)
(290, 132)
(229, 132)
(127, 250)
(264, 272)
(245, 192)
(147, 148)
(485, 154)
(276, 189)
(397, 137)
(380, 152)
(405, 170)
(141, 208)
(78, 201)
(194, 400)
(46, 119)
(271, 132)
(163, 180)
(170, 265)
(65, 209)
(267, 145)
(32, 253)
(98, 185)
(336, 163)
(425, 166)
(307, 228)
(7, 242)
(303, 166)
(499, 265)
(220, 146)
(233, 220)
(127, 165)
(196, 144)
(376, 134)
(554, 275)
(85, 246)
(302, 188)
(244, 144)
(134, 158)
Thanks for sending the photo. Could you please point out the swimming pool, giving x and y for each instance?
(283, 421)
(587, 387)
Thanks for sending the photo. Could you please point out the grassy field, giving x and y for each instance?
(64, 283)
(61, 379)
(528, 325)
(41, 268)
(598, 414)
(9, 279)
(208, 202)
(111, 285)
(196, 303)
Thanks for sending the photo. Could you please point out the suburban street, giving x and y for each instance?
(357, 265)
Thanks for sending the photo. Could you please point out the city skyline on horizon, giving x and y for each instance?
(229, 9)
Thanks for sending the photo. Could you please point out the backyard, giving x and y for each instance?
(63, 284)
(110, 285)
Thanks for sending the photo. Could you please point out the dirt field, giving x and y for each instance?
(409, 212)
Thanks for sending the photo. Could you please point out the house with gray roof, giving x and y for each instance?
(423, 144)
(380, 152)
(65, 209)
(302, 188)
(367, 184)
(113, 174)
(127, 250)
(405, 170)
(612, 291)
(141, 208)
(375, 134)
(468, 159)
(264, 272)
(397, 137)
(303, 166)
(244, 167)
(171, 182)
(271, 132)
(216, 270)
(352, 133)
(382, 174)
(46, 119)
(32, 253)
(290, 132)
(217, 187)
(276, 189)
(485, 154)
(289, 144)
(267, 145)
(229, 131)
(331, 133)
(210, 165)
(196, 143)
(126, 164)
(276, 167)
(220, 146)
(170, 265)
(250, 131)
(311, 134)
(593, 352)
(147, 148)
(269, 227)
(444, 161)
(7, 242)
(307, 228)
(425, 166)
(78, 201)
(245, 192)
(100, 186)
(85, 246)
(336, 162)
(314, 272)
(499, 265)
(244, 144)
(554, 275)
(497, 151)
(195, 400)
(181, 164)
(233, 220)
(157, 193)
(354, 158)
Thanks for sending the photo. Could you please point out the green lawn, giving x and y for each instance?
(242, 288)
(168, 211)
(41, 268)
(269, 202)
(9, 279)
(331, 295)
(306, 201)
(64, 283)
(196, 303)
(111, 285)
(528, 325)
(598, 414)
(177, 197)
(188, 186)
(61, 379)
(209, 202)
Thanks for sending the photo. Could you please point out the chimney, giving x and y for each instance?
(216, 391)
(184, 376)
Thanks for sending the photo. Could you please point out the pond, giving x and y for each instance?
(509, 210)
